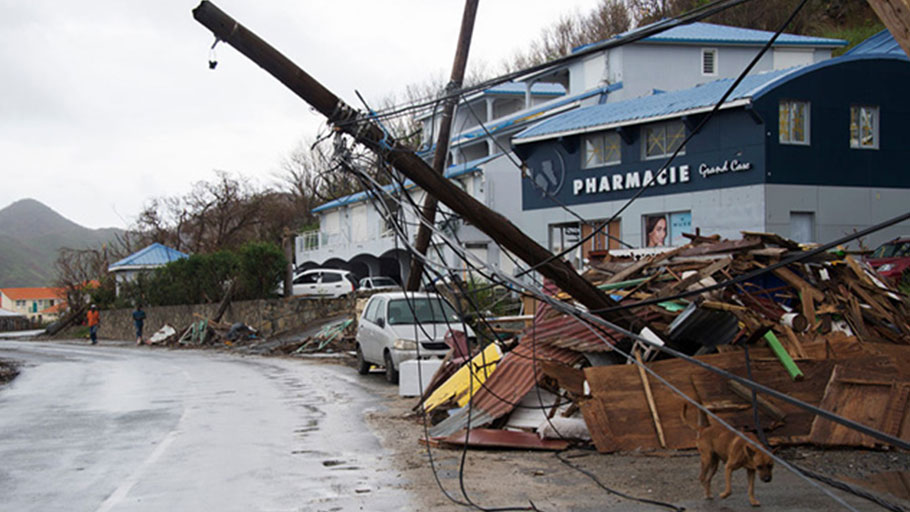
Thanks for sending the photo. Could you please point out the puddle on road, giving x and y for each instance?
(895, 483)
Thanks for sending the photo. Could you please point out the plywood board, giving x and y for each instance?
(873, 398)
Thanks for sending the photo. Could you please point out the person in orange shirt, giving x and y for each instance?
(94, 319)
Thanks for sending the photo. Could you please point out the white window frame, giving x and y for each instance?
(855, 137)
(807, 121)
(596, 144)
(714, 53)
(667, 147)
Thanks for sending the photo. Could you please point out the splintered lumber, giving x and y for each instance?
(650, 397)
(643, 264)
(569, 379)
(764, 404)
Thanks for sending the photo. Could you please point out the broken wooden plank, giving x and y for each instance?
(764, 404)
(650, 398)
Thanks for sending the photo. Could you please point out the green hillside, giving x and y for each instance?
(30, 236)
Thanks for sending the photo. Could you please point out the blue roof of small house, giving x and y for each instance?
(454, 171)
(655, 105)
(709, 33)
(882, 43)
(154, 255)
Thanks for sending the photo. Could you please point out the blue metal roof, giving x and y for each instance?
(656, 105)
(454, 171)
(532, 114)
(154, 255)
(882, 43)
(538, 89)
(709, 33)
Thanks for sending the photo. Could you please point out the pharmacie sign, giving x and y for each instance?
(637, 179)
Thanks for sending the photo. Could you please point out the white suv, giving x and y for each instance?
(324, 282)
(398, 326)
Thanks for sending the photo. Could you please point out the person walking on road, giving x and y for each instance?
(138, 320)
(94, 320)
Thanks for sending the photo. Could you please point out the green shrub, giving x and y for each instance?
(255, 268)
(261, 267)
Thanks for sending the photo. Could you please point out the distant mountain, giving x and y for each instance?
(30, 236)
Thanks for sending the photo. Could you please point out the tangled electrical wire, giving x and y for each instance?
(389, 192)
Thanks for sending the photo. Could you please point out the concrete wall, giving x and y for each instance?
(672, 67)
(269, 317)
(838, 211)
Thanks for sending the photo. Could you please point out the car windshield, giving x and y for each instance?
(892, 250)
(430, 310)
(382, 281)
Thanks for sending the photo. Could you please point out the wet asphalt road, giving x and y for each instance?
(116, 428)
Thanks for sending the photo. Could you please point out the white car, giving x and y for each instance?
(324, 282)
(378, 283)
(399, 326)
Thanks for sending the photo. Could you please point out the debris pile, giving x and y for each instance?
(205, 331)
(337, 336)
(824, 329)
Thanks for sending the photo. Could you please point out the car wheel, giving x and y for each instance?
(391, 374)
(363, 367)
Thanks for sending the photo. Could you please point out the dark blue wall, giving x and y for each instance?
(831, 88)
(829, 160)
(730, 135)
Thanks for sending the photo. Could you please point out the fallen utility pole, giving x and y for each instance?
(422, 242)
(405, 161)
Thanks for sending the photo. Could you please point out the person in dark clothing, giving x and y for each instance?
(138, 321)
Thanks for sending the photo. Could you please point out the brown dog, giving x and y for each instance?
(716, 443)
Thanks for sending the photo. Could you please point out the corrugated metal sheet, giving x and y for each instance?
(709, 33)
(701, 32)
(516, 374)
(647, 107)
(882, 43)
(570, 333)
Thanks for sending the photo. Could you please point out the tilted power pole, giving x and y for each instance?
(364, 131)
(424, 234)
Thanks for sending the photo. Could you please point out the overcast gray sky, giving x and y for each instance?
(105, 104)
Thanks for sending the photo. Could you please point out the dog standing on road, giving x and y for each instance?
(716, 443)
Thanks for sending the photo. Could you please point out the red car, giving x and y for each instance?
(891, 258)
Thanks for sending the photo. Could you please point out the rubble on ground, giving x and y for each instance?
(826, 330)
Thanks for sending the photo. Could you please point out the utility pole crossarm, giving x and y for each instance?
(496, 226)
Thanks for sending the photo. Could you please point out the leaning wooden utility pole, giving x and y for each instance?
(422, 242)
(409, 164)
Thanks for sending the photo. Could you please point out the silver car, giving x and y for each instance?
(398, 326)
(378, 283)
